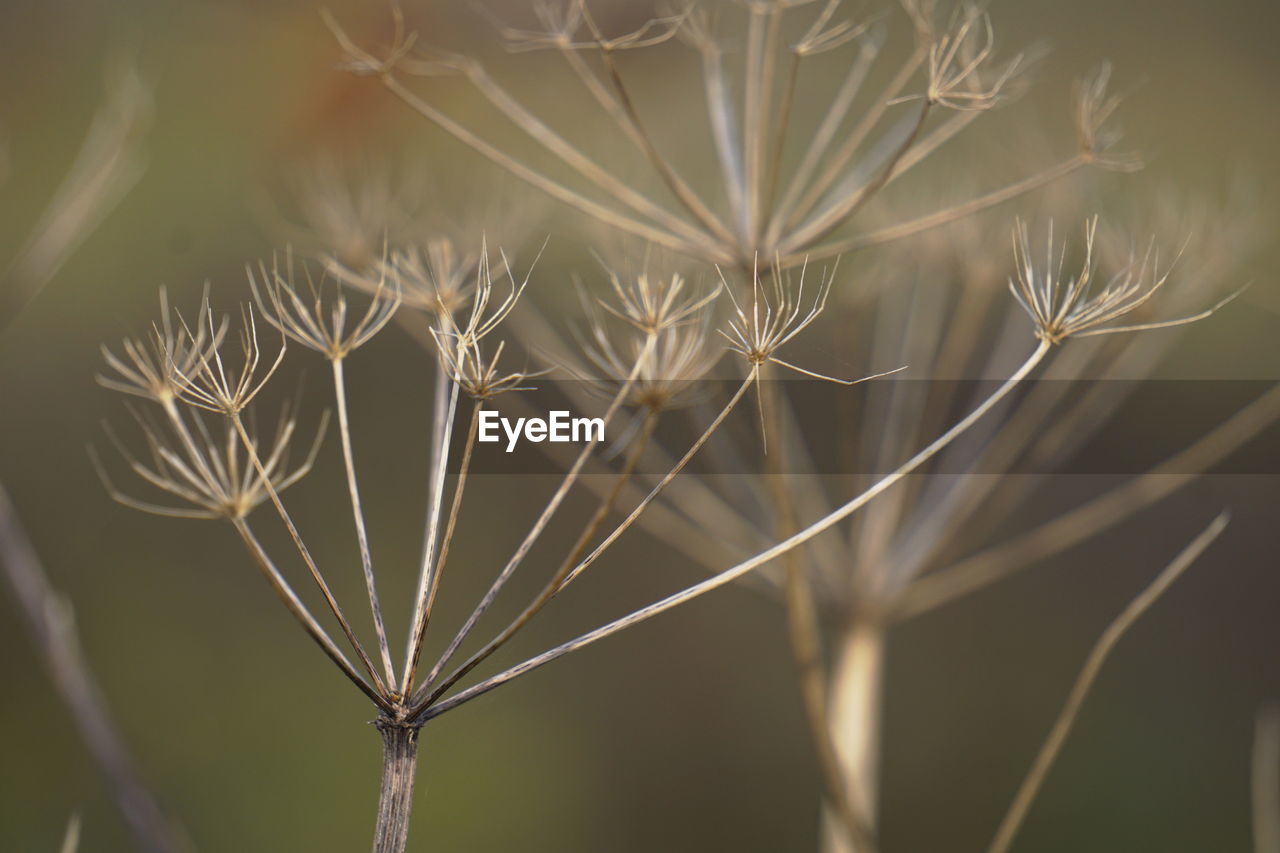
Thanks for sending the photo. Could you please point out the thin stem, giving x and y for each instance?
(805, 635)
(951, 214)
(682, 191)
(543, 519)
(357, 513)
(559, 578)
(1106, 510)
(780, 137)
(761, 59)
(720, 111)
(305, 553)
(540, 181)
(761, 559)
(427, 571)
(566, 574)
(395, 796)
(831, 218)
(52, 627)
(446, 540)
(849, 808)
(299, 610)
(662, 484)
(574, 158)
(836, 112)
(1102, 649)
(791, 216)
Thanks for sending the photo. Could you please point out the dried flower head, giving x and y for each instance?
(1094, 107)
(212, 474)
(762, 201)
(320, 320)
(350, 212)
(562, 20)
(215, 383)
(956, 59)
(153, 367)
(1062, 308)
(461, 345)
(667, 377)
(775, 315)
(653, 303)
(435, 277)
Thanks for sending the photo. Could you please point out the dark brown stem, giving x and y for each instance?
(395, 799)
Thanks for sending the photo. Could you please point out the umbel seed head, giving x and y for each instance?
(155, 367)
(1074, 307)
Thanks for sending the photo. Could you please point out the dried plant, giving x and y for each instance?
(766, 205)
(915, 542)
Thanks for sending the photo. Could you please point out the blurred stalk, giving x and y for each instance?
(52, 628)
(855, 693)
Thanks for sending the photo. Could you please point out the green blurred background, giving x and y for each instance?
(685, 734)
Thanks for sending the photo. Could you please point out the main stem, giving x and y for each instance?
(855, 696)
(395, 799)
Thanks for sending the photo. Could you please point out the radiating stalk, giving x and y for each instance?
(357, 512)
(763, 558)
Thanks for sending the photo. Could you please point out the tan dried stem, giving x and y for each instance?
(1102, 649)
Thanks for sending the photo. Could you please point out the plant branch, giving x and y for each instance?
(52, 628)
(446, 540)
(1105, 511)
(336, 609)
(538, 180)
(558, 579)
(761, 559)
(299, 610)
(357, 512)
(543, 519)
(1052, 746)
(427, 572)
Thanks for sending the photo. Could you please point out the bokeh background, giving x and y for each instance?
(687, 733)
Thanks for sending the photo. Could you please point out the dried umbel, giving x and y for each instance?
(228, 384)
(1063, 307)
(676, 315)
(768, 203)
(227, 478)
(460, 339)
(319, 317)
(437, 277)
(156, 367)
(350, 211)
(761, 205)
(209, 469)
(681, 357)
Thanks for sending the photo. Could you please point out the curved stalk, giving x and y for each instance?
(543, 519)
(305, 552)
(1062, 726)
(731, 574)
(559, 579)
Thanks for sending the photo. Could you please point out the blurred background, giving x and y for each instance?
(687, 733)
